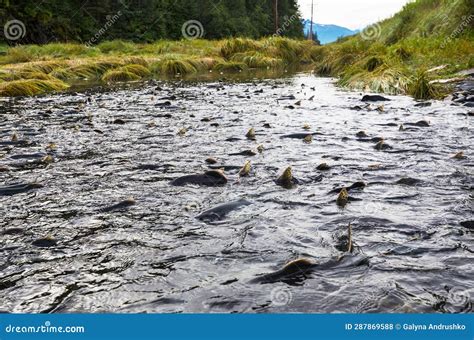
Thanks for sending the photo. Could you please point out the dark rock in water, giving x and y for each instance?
(119, 206)
(232, 139)
(11, 190)
(244, 153)
(46, 242)
(361, 134)
(423, 104)
(374, 98)
(209, 178)
(408, 181)
(267, 126)
(470, 114)
(221, 211)
(468, 224)
(469, 104)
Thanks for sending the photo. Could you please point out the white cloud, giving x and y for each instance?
(351, 13)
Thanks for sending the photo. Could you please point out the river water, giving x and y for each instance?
(156, 256)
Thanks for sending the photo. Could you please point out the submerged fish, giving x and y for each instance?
(287, 180)
(209, 178)
(298, 135)
(221, 211)
(11, 190)
(245, 171)
(296, 269)
(119, 206)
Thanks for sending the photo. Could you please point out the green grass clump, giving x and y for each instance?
(126, 73)
(257, 60)
(204, 63)
(137, 69)
(373, 63)
(30, 87)
(421, 88)
(119, 75)
(116, 46)
(230, 66)
(289, 50)
(175, 67)
(87, 70)
(47, 66)
(238, 45)
(385, 79)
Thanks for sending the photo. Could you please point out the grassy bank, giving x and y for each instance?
(427, 41)
(32, 69)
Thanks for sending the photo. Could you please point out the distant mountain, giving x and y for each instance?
(327, 33)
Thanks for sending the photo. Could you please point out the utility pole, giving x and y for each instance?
(275, 14)
(310, 35)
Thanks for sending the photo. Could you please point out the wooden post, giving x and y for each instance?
(310, 35)
(275, 13)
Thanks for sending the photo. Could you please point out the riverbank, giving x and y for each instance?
(420, 51)
(31, 69)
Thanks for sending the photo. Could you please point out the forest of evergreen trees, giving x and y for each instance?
(148, 20)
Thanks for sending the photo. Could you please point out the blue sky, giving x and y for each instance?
(354, 14)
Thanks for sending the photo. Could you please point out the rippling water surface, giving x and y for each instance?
(156, 256)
